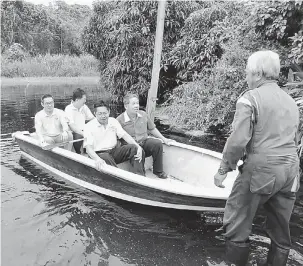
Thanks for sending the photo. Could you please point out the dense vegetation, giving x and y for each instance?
(205, 48)
(43, 29)
(38, 40)
(50, 66)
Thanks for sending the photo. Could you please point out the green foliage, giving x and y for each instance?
(121, 35)
(297, 48)
(50, 66)
(282, 22)
(210, 100)
(41, 29)
(15, 53)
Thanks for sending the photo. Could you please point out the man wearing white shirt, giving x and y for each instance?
(78, 113)
(102, 145)
(51, 123)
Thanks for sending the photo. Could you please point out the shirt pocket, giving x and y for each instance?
(262, 180)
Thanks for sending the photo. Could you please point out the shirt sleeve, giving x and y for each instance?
(88, 113)
(242, 128)
(63, 119)
(119, 130)
(150, 124)
(38, 124)
(88, 137)
(69, 115)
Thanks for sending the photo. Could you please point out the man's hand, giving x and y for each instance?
(100, 163)
(219, 179)
(64, 136)
(138, 156)
(168, 141)
(43, 143)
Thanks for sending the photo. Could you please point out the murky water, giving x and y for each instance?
(48, 221)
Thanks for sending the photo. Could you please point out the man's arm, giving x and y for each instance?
(63, 120)
(75, 129)
(240, 136)
(88, 114)
(72, 125)
(129, 139)
(237, 141)
(88, 144)
(38, 127)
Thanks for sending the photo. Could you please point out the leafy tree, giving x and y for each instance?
(40, 29)
(121, 35)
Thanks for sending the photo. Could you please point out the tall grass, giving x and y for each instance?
(50, 66)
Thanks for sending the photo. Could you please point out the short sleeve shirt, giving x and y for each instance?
(51, 125)
(78, 116)
(139, 128)
(102, 137)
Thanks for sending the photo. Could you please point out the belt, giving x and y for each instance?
(104, 151)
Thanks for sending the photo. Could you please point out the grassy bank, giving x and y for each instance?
(50, 66)
(49, 80)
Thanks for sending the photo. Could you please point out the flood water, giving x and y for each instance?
(48, 221)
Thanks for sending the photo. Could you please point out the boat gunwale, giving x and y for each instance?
(159, 184)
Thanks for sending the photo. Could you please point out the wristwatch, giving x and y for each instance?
(221, 171)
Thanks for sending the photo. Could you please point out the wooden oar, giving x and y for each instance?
(51, 146)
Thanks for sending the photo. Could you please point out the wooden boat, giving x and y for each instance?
(190, 187)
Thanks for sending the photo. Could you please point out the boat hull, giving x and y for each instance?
(113, 185)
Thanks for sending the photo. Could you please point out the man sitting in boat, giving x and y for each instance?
(51, 123)
(101, 142)
(77, 113)
(137, 124)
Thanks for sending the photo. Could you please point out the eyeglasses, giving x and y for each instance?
(49, 103)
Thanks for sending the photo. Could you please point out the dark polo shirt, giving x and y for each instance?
(137, 129)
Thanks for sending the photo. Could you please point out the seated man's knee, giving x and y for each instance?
(107, 158)
(158, 144)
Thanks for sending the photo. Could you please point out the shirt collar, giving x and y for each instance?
(75, 108)
(53, 113)
(126, 117)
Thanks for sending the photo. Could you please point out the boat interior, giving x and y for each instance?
(189, 168)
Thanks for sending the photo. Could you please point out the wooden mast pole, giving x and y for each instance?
(152, 93)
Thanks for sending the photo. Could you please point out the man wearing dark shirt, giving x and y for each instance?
(137, 124)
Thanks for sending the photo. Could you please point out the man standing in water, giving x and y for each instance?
(101, 142)
(51, 123)
(77, 113)
(264, 129)
(137, 124)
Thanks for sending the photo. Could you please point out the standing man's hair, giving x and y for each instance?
(265, 62)
(78, 94)
(46, 96)
(128, 96)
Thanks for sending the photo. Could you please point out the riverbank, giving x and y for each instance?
(50, 66)
(49, 80)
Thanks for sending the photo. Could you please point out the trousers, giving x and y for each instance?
(264, 181)
(124, 153)
(153, 147)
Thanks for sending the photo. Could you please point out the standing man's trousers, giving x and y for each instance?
(267, 181)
